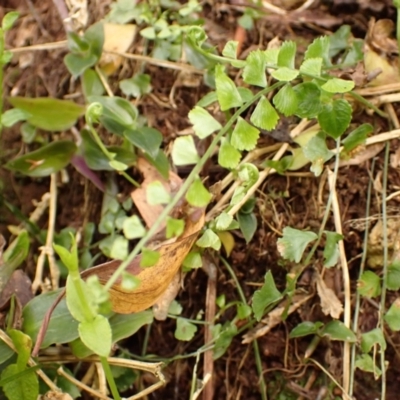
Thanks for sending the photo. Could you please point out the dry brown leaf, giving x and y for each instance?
(149, 212)
(154, 280)
(330, 304)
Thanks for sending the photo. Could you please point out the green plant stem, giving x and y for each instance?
(195, 171)
(110, 378)
(104, 149)
(358, 296)
(257, 356)
(1, 76)
(382, 303)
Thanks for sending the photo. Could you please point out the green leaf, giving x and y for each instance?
(393, 276)
(264, 116)
(207, 99)
(149, 258)
(136, 86)
(243, 311)
(23, 345)
(184, 151)
(96, 335)
(77, 64)
(230, 49)
(185, 330)
(331, 250)
(63, 328)
(192, 260)
(305, 328)
(9, 20)
(24, 387)
(209, 239)
(369, 284)
(355, 53)
(223, 336)
(309, 102)
(371, 338)
(228, 156)
(319, 48)
(357, 137)
(129, 282)
(197, 195)
(11, 117)
(44, 161)
(227, 93)
(312, 66)
(287, 54)
(392, 317)
(337, 330)
(5, 352)
(286, 100)
(293, 243)
(146, 139)
(248, 225)
(244, 136)
(336, 85)
(157, 194)
(365, 363)
(223, 221)
(317, 152)
(254, 71)
(47, 113)
(91, 84)
(335, 117)
(285, 74)
(69, 258)
(160, 162)
(133, 228)
(339, 40)
(264, 297)
(74, 301)
(204, 124)
(119, 249)
(117, 165)
(175, 227)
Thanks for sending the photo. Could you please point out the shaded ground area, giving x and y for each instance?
(296, 199)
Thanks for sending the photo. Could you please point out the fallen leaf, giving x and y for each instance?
(330, 304)
(154, 280)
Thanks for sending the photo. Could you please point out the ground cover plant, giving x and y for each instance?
(242, 181)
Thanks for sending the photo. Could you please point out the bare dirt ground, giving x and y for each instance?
(295, 200)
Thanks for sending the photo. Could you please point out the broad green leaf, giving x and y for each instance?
(271, 56)
(286, 100)
(147, 139)
(392, 317)
(369, 284)
(175, 227)
(28, 132)
(197, 195)
(47, 113)
(393, 276)
(157, 194)
(133, 228)
(209, 239)
(336, 85)
(357, 137)
(223, 336)
(204, 124)
(23, 345)
(227, 93)
(192, 260)
(339, 40)
(75, 307)
(309, 101)
(254, 71)
(185, 330)
(160, 162)
(9, 19)
(249, 174)
(96, 335)
(24, 387)
(11, 117)
(293, 243)
(119, 249)
(248, 225)
(305, 328)
(207, 99)
(287, 54)
(129, 282)
(318, 153)
(228, 156)
(243, 311)
(355, 53)
(5, 352)
(264, 297)
(337, 330)
(69, 258)
(118, 165)
(63, 328)
(184, 151)
(331, 250)
(44, 161)
(264, 116)
(319, 48)
(223, 221)
(136, 86)
(285, 74)
(230, 49)
(77, 64)
(244, 136)
(91, 84)
(312, 66)
(246, 94)
(94, 35)
(335, 117)
(149, 258)
(148, 33)
(371, 338)
(365, 363)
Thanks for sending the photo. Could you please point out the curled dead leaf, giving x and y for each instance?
(330, 304)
